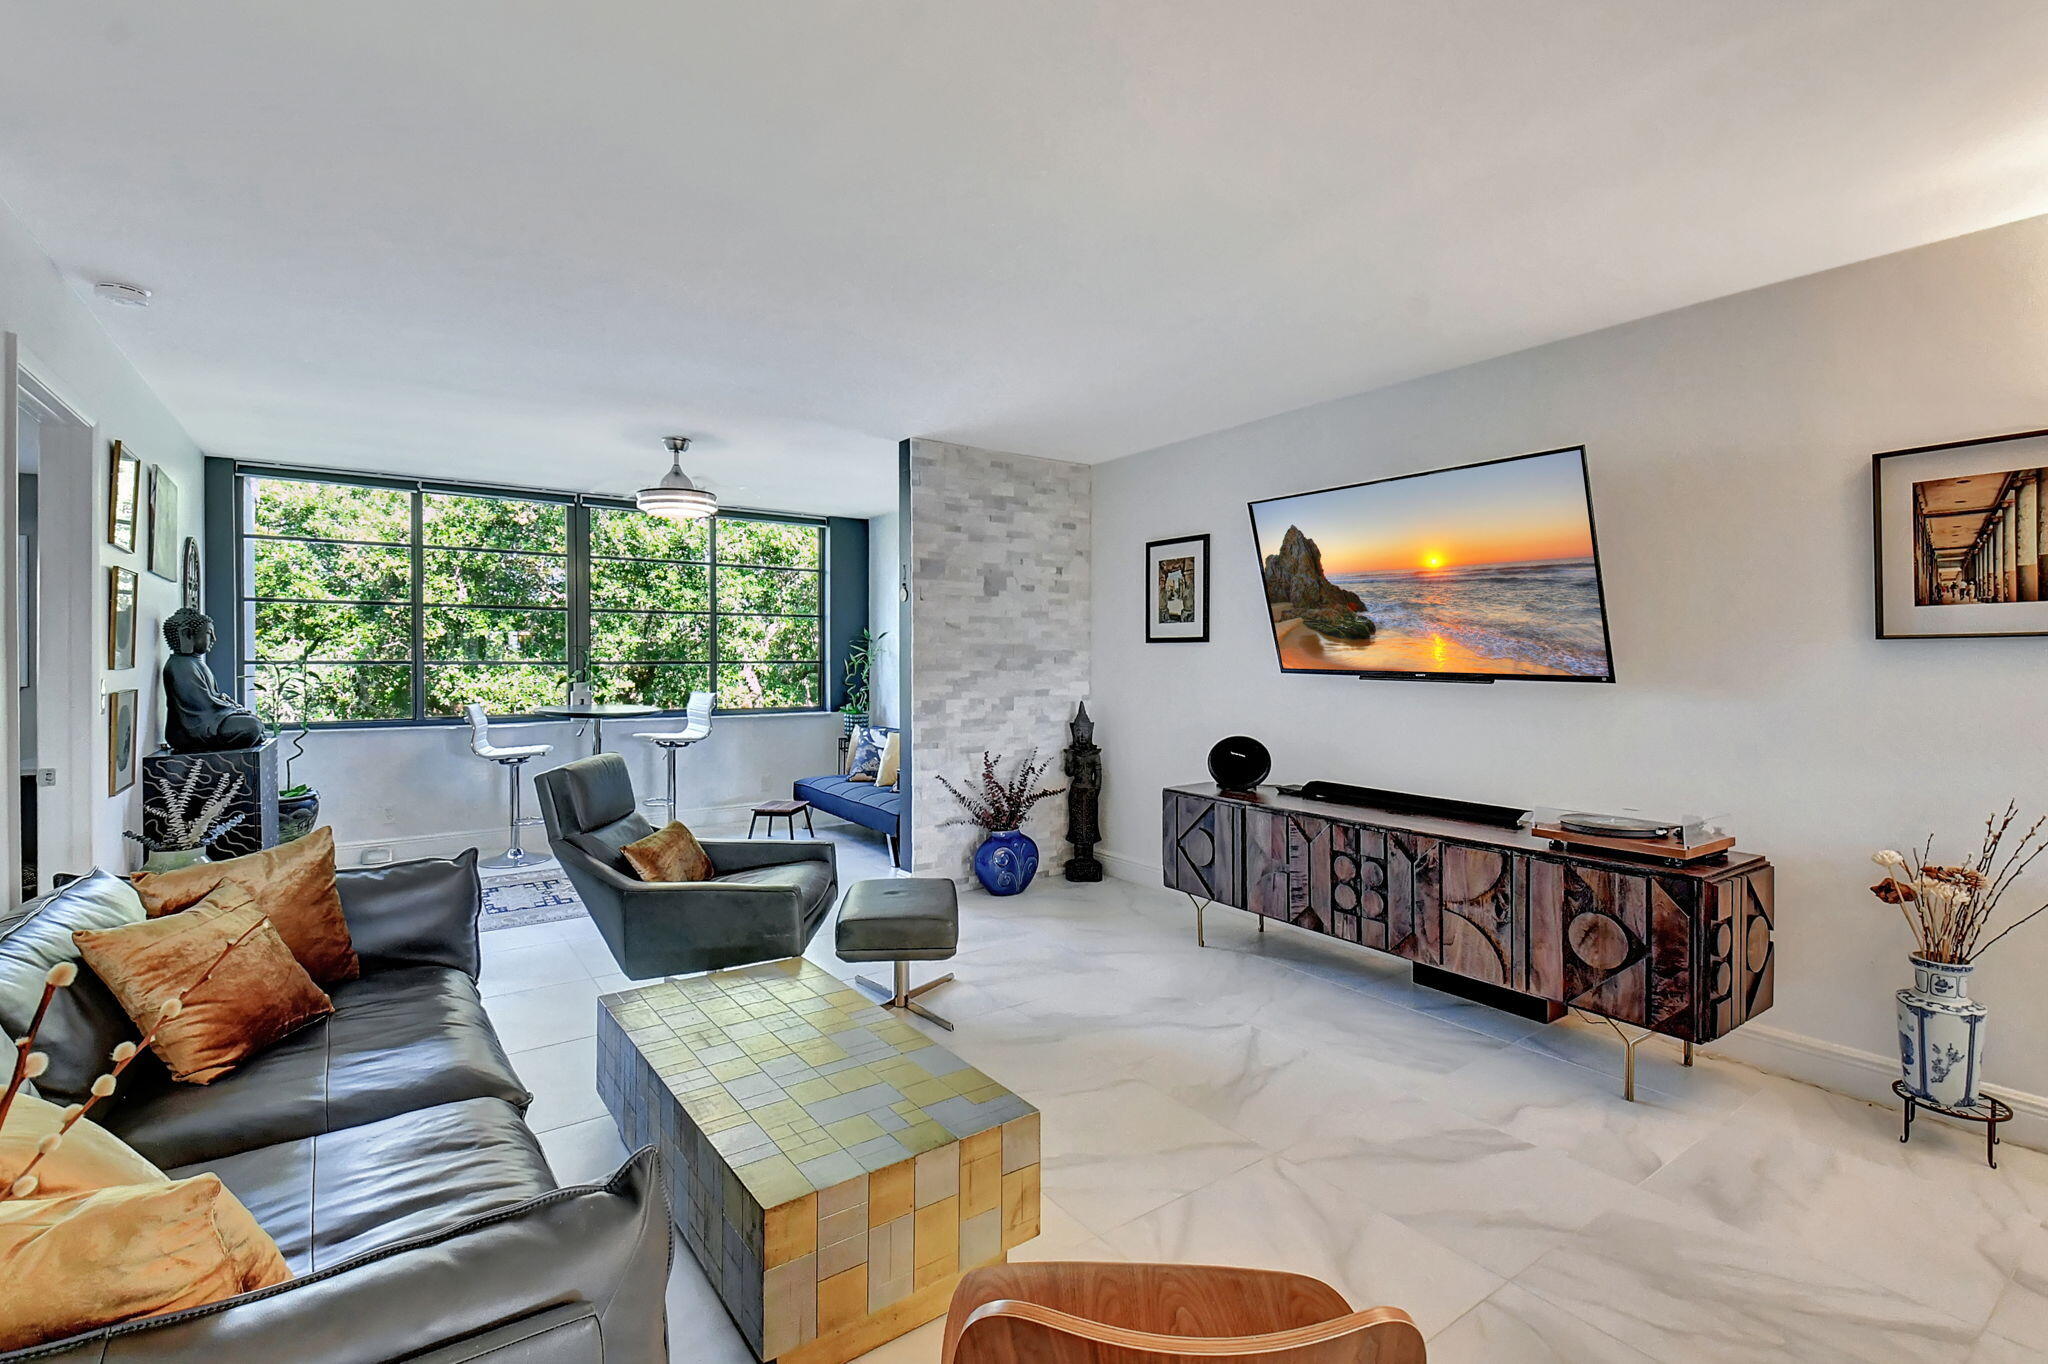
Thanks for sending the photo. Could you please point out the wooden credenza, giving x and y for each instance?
(1681, 951)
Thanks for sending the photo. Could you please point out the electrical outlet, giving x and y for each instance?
(372, 857)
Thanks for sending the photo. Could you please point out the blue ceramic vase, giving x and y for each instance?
(1006, 861)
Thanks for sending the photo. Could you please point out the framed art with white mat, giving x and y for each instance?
(1960, 536)
(1177, 591)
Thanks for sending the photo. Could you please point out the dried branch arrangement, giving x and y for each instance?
(192, 811)
(29, 1063)
(1001, 804)
(1950, 906)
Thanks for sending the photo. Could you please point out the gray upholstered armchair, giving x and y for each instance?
(766, 899)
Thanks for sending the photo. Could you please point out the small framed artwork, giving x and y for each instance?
(188, 588)
(1960, 537)
(121, 740)
(121, 584)
(124, 493)
(1177, 591)
(163, 524)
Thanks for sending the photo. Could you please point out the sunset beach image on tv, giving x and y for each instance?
(1487, 570)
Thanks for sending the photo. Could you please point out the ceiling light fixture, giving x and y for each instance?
(126, 295)
(676, 497)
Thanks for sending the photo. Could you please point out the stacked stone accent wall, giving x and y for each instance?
(999, 632)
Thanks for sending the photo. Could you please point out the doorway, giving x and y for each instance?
(51, 551)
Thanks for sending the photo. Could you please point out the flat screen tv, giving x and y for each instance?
(1472, 574)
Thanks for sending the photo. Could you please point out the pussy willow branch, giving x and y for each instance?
(113, 1077)
(22, 1047)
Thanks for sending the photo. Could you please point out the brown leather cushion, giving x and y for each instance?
(112, 1255)
(239, 988)
(669, 855)
(293, 883)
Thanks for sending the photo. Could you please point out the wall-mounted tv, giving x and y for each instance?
(1472, 574)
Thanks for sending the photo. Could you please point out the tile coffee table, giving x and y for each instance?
(833, 1170)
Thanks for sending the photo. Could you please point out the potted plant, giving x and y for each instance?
(860, 659)
(1007, 859)
(287, 697)
(180, 817)
(1948, 907)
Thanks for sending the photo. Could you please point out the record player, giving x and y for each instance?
(1675, 842)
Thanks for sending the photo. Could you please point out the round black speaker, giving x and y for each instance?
(1239, 763)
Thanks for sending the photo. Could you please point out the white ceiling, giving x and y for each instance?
(524, 239)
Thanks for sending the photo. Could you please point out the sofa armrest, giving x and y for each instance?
(745, 854)
(584, 1268)
(419, 913)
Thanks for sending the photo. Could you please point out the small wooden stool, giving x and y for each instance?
(787, 810)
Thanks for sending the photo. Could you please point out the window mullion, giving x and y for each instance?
(711, 592)
(419, 607)
(579, 588)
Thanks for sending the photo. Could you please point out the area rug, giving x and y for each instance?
(543, 896)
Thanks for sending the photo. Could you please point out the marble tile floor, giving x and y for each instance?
(1284, 1101)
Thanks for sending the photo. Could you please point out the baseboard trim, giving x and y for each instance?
(1865, 1075)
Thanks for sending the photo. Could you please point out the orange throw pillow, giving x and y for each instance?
(257, 994)
(293, 883)
(92, 1259)
(90, 1158)
(670, 854)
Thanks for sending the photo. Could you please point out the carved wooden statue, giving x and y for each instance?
(1082, 762)
(198, 717)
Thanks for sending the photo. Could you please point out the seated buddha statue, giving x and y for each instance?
(198, 717)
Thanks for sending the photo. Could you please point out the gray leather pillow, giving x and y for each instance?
(85, 1022)
(422, 912)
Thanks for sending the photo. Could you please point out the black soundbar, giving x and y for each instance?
(1408, 803)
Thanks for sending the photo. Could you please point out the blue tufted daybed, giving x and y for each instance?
(858, 802)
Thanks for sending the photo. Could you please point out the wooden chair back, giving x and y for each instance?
(1090, 1313)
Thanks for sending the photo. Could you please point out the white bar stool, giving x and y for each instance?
(696, 725)
(515, 855)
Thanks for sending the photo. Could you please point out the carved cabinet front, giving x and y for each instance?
(1682, 953)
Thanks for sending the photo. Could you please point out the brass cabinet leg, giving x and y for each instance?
(1199, 905)
(1262, 923)
(1688, 1052)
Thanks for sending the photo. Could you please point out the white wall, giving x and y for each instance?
(1730, 450)
(62, 343)
(885, 560)
(421, 793)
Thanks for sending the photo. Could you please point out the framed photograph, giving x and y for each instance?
(190, 583)
(124, 494)
(121, 740)
(121, 585)
(163, 524)
(1961, 538)
(1177, 591)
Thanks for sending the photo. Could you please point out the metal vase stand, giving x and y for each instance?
(1988, 1111)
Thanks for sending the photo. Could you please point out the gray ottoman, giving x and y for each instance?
(901, 919)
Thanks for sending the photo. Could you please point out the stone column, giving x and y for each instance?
(2009, 546)
(2028, 528)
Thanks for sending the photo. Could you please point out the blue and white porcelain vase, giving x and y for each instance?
(1941, 1034)
(1006, 861)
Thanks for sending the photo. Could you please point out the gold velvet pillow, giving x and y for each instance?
(91, 1259)
(90, 1158)
(293, 883)
(670, 854)
(257, 994)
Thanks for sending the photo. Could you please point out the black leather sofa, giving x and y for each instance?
(764, 901)
(386, 1151)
